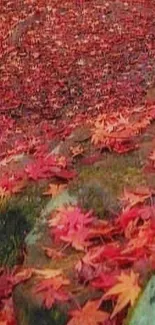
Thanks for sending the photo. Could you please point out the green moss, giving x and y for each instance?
(17, 218)
(29, 312)
(100, 185)
(115, 172)
(58, 317)
(40, 316)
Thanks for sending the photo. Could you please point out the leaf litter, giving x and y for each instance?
(95, 70)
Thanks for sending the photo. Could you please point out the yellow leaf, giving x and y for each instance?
(127, 290)
(47, 273)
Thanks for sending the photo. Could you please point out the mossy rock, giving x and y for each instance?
(13, 227)
(98, 187)
(29, 309)
(93, 196)
(17, 217)
(115, 172)
(29, 312)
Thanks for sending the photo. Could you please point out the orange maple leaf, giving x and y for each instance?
(55, 189)
(7, 316)
(127, 290)
(88, 315)
(99, 133)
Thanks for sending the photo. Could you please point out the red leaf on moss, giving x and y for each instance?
(51, 290)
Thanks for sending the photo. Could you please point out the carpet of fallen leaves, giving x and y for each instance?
(65, 64)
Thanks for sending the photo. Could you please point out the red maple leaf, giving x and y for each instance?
(52, 290)
(105, 280)
(7, 316)
(88, 315)
(6, 285)
(71, 225)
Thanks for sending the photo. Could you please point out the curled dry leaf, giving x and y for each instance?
(47, 273)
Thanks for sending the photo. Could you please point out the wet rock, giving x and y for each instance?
(28, 308)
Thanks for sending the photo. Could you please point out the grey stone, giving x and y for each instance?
(144, 312)
(54, 203)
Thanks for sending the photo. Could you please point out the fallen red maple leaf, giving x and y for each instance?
(105, 280)
(51, 290)
(72, 226)
(7, 316)
(77, 238)
(6, 285)
(88, 315)
(128, 215)
(10, 279)
(102, 229)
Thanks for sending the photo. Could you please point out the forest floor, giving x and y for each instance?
(77, 160)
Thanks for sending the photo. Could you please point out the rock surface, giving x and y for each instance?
(144, 313)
